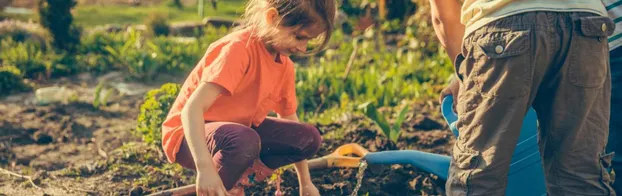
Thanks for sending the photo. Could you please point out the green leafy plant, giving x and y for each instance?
(102, 100)
(28, 58)
(385, 76)
(24, 31)
(154, 110)
(390, 131)
(11, 80)
(140, 60)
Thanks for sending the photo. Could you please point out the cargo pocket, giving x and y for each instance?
(465, 162)
(589, 52)
(503, 63)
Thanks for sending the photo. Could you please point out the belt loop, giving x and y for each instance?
(575, 22)
(575, 16)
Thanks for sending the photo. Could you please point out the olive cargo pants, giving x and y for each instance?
(556, 62)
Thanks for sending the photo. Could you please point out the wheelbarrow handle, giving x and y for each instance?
(184, 190)
(447, 109)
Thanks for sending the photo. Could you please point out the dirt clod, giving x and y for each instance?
(42, 137)
(426, 123)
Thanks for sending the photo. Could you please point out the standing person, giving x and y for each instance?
(218, 125)
(614, 8)
(511, 55)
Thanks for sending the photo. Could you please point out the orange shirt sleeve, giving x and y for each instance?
(289, 102)
(227, 67)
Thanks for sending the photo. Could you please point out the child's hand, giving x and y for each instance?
(210, 184)
(451, 89)
(309, 190)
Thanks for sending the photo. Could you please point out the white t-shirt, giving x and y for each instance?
(477, 13)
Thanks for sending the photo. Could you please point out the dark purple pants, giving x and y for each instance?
(234, 147)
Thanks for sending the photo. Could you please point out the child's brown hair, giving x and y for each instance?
(293, 13)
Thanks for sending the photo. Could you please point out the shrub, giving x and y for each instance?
(55, 15)
(137, 56)
(28, 58)
(176, 4)
(22, 31)
(11, 80)
(157, 24)
(98, 41)
(153, 112)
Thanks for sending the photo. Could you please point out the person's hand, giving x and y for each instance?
(210, 184)
(309, 190)
(452, 89)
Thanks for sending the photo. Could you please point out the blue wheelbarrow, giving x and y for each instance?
(525, 177)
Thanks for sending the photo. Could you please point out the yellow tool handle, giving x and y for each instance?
(344, 161)
(351, 148)
(338, 158)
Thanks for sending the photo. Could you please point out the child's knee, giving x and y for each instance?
(243, 141)
(314, 140)
(250, 146)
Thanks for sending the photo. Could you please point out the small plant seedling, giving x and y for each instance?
(390, 131)
(99, 100)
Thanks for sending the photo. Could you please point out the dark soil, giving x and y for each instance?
(74, 149)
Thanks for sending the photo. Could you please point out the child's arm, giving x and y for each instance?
(449, 30)
(446, 23)
(194, 131)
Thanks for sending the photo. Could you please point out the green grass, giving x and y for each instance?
(93, 15)
(20, 17)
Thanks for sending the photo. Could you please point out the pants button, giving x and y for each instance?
(499, 49)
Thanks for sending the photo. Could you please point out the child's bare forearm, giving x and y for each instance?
(194, 125)
(446, 23)
(192, 120)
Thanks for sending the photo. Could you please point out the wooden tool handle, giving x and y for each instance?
(318, 163)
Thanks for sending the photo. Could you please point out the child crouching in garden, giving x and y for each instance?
(219, 124)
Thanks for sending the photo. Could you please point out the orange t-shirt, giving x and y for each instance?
(254, 84)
